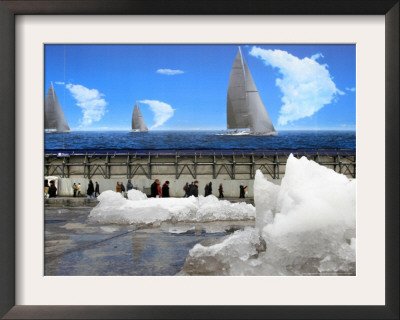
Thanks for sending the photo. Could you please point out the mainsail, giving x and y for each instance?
(245, 108)
(54, 119)
(138, 124)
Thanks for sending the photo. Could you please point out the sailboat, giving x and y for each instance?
(245, 109)
(54, 119)
(138, 124)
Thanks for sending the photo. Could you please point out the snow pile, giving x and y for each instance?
(113, 208)
(308, 224)
(135, 195)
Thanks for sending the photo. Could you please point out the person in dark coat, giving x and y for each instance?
(186, 188)
(221, 191)
(242, 187)
(97, 189)
(129, 185)
(206, 190)
(210, 188)
(52, 190)
(90, 190)
(155, 189)
(75, 189)
(194, 189)
(122, 189)
(165, 190)
(189, 187)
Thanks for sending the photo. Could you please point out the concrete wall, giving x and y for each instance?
(231, 187)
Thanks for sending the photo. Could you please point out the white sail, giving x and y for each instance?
(54, 119)
(245, 109)
(138, 124)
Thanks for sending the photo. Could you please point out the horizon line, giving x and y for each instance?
(208, 129)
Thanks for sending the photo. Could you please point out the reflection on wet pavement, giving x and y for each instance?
(74, 246)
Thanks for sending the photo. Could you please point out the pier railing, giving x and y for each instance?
(227, 164)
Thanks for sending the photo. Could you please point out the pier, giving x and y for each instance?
(230, 167)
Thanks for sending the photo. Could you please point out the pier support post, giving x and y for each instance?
(107, 164)
(176, 166)
(233, 166)
(195, 165)
(214, 167)
(128, 166)
(85, 175)
(149, 165)
(252, 173)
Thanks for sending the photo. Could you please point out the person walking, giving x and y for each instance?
(194, 189)
(206, 190)
(122, 189)
(189, 187)
(221, 191)
(46, 188)
(97, 189)
(242, 191)
(186, 189)
(75, 189)
(156, 189)
(165, 189)
(90, 190)
(52, 190)
(210, 188)
(79, 190)
(129, 185)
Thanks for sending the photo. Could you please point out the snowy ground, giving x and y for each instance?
(305, 226)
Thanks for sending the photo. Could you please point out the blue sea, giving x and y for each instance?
(197, 140)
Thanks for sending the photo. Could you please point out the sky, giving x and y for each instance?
(184, 87)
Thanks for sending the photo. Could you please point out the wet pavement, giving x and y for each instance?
(76, 246)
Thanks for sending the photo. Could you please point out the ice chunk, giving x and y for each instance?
(265, 197)
(109, 229)
(216, 259)
(308, 224)
(315, 211)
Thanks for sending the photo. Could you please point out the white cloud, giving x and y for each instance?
(351, 89)
(306, 85)
(316, 56)
(162, 111)
(90, 101)
(59, 82)
(169, 72)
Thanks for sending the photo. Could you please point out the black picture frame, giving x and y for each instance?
(8, 194)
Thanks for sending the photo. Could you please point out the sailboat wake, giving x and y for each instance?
(247, 133)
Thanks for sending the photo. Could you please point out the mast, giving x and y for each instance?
(54, 119)
(245, 108)
(138, 123)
